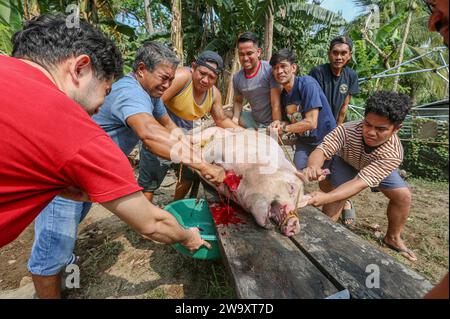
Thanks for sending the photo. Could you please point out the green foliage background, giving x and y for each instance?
(302, 25)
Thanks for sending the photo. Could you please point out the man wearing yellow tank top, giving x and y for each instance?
(191, 96)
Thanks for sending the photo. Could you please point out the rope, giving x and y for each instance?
(180, 172)
(292, 213)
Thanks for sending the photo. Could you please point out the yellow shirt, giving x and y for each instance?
(183, 104)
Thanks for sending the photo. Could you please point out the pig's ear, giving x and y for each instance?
(301, 176)
(304, 201)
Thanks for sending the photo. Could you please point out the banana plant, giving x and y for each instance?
(10, 22)
(401, 36)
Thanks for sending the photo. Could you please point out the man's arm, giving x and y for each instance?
(309, 122)
(343, 192)
(237, 108)
(313, 171)
(153, 222)
(217, 112)
(167, 122)
(161, 143)
(155, 137)
(341, 117)
(275, 95)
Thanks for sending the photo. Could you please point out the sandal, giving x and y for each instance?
(347, 214)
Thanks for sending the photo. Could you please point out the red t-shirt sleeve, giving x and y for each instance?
(102, 170)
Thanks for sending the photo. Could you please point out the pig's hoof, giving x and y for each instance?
(291, 227)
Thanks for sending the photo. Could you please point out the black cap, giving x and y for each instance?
(343, 39)
(211, 57)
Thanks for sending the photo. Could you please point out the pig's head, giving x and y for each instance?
(277, 200)
(286, 196)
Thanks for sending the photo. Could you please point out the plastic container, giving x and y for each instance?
(191, 214)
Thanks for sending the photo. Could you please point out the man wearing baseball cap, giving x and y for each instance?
(339, 83)
(191, 96)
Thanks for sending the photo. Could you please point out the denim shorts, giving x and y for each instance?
(55, 234)
(341, 172)
(153, 169)
(301, 155)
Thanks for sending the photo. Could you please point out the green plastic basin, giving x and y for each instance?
(191, 214)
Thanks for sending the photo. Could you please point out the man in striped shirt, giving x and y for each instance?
(365, 154)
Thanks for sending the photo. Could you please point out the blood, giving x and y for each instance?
(232, 180)
(223, 213)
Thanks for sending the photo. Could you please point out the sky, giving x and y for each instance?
(347, 8)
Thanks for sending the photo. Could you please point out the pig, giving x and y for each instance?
(269, 187)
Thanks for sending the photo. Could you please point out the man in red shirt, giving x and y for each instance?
(439, 22)
(49, 144)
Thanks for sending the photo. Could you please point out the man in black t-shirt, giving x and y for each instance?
(338, 81)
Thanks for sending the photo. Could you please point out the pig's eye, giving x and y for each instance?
(291, 188)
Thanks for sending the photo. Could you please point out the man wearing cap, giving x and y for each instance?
(191, 96)
(338, 81)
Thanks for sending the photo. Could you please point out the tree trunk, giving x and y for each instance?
(31, 9)
(402, 47)
(228, 77)
(177, 37)
(35, 10)
(148, 17)
(268, 33)
(365, 35)
(207, 26)
(25, 10)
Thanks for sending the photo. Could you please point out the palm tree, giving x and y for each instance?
(402, 35)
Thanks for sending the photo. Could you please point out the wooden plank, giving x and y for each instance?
(265, 264)
(346, 257)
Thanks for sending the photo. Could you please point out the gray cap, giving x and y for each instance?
(211, 57)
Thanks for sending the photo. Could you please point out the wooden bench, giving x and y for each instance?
(324, 260)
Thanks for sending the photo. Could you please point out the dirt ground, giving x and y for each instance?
(115, 262)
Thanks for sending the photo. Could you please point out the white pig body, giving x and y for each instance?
(269, 188)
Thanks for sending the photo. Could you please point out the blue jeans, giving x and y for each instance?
(55, 235)
(341, 172)
(302, 152)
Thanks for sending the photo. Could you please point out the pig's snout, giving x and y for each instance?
(292, 227)
(286, 218)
